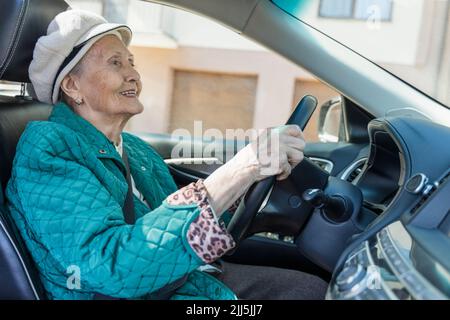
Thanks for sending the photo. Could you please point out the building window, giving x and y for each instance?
(356, 9)
(336, 8)
(221, 101)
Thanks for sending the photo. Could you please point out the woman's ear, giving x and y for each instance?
(70, 86)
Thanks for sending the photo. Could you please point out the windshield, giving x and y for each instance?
(409, 38)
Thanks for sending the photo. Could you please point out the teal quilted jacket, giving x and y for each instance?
(66, 195)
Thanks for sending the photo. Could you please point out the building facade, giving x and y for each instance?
(194, 69)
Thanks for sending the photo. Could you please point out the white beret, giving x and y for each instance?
(69, 36)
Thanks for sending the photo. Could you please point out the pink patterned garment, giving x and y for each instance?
(232, 209)
(206, 235)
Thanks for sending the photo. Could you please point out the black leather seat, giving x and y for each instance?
(22, 22)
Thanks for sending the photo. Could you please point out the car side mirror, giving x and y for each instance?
(331, 126)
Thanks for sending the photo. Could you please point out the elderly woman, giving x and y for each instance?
(97, 207)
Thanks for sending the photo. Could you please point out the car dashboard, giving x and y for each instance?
(382, 175)
(404, 253)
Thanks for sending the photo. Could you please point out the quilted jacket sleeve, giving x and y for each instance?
(70, 213)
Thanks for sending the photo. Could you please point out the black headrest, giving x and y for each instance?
(22, 22)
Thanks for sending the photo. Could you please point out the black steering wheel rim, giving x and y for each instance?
(249, 208)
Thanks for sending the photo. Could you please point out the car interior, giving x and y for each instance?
(370, 215)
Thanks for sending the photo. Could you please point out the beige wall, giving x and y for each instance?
(415, 46)
(274, 89)
(443, 87)
(398, 37)
(433, 57)
(273, 84)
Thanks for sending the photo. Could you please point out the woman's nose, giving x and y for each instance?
(132, 75)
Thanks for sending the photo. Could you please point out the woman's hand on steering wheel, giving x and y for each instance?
(276, 152)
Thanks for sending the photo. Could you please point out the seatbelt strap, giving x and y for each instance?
(128, 213)
(168, 290)
(128, 207)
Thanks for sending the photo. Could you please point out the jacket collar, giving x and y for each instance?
(100, 144)
(104, 148)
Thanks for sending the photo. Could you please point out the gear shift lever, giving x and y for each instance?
(336, 208)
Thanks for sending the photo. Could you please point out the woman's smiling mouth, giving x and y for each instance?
(129, 93)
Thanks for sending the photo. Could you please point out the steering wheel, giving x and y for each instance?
(257, 193)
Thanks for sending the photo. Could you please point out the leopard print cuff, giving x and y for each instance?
(232, 209)
(206, 235)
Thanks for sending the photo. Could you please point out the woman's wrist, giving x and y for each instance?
(225, 185)
(244, 172)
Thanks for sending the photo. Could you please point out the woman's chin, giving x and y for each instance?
(135, 106)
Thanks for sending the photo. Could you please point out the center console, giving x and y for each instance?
(408, 259)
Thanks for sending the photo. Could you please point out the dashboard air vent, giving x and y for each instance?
(429, 190)
(324, 164)
(355, 173)
(354, 170)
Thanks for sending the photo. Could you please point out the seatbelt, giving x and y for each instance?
(128, 207)
(165, 292)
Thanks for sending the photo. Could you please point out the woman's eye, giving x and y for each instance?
(117, 63)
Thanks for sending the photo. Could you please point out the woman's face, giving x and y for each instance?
(108, 82)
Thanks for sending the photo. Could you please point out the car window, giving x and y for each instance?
(198, 75)
(409, 38)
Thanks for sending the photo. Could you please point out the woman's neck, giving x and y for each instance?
(111, 125)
